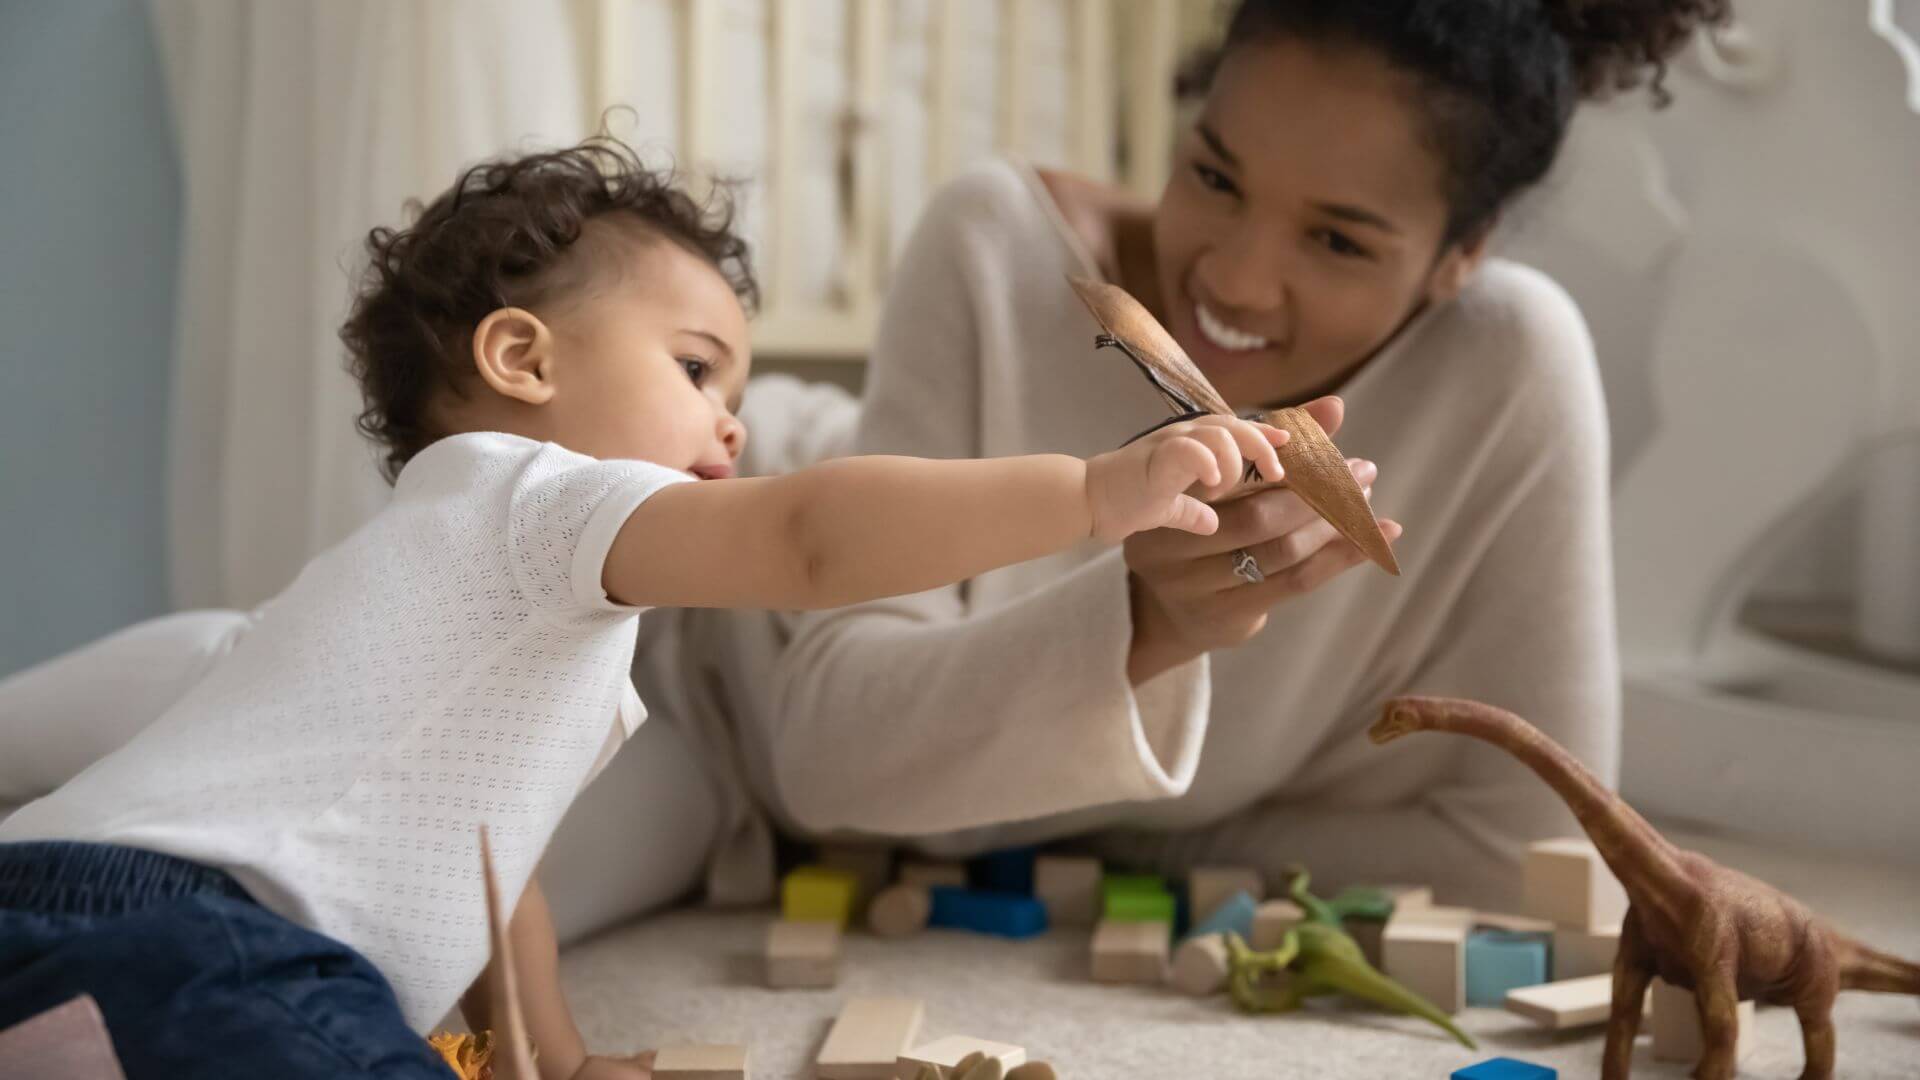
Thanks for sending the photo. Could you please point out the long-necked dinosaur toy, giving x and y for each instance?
(1696, 924)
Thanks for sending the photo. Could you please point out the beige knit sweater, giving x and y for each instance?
(1001, 707)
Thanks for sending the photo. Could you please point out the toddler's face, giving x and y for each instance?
(652, 363)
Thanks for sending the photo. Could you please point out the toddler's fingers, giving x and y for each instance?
(1257, 445)
(1178, 463)
(1192, 515)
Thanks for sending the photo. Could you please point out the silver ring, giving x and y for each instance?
(1246, 567)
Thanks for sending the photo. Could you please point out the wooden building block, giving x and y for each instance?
(1201, 965)
(1235, 915)
(803, 954)
(1428, 958)
(1570, 1003)
(1567, 882)
(68, 1041)
(870, 864)
(1505, 1068)
(818, 893)
(868, 1038)
(1130, 952)
(1676, 1025)
(1578, 952)
(1210, 886)
(944, 1054)
(929, 874)
(1428, 915)
(1499, 961)
(1512, 924)
(900, 911)
(1157, 907)
(701, 1062)
(1408, 897)
(1272, 920)
(1366, 933)
(1008, 871)
(1002, 914)
(1070, 888)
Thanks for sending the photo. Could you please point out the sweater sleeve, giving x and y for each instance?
(921, 714)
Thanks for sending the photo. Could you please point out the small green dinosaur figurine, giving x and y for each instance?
(1318, 957)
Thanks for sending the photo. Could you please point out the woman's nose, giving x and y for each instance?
(1245, 275)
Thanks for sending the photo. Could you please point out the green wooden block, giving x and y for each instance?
(1117, 883)
(818, 894)
(1139, 900)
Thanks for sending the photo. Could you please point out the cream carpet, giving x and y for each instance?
(693, 976)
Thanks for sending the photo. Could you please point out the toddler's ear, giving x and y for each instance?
(513, 353)
(1457, 266)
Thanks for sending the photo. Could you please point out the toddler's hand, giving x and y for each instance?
(1144, 485)
(597, 1067)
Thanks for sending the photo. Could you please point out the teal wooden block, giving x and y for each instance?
(1506, 1069)
(1499, 961)
(1234, 915)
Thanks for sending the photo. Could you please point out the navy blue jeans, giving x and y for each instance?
(195, 979)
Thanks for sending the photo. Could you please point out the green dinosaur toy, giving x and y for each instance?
(1318, 957)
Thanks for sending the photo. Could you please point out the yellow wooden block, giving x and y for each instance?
(818, 894)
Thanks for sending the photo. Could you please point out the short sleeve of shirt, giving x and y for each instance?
(565, 511)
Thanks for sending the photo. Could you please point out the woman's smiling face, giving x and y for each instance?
(1301, 222)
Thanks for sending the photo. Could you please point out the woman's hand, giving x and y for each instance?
(1187, 598)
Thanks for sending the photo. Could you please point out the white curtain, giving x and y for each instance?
(300, 126)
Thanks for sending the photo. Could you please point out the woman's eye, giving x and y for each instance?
(696, 369)
(1339, 243)
(1213, 179)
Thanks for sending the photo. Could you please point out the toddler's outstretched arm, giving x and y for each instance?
(861, 528)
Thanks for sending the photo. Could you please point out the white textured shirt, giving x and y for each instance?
(455, 662)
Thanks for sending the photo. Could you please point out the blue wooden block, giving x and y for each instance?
(983, 912)
(1499, 961)
(1506, 1069)
(1235, 915)
(1009, 871)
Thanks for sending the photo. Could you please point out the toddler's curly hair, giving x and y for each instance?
(505, 235)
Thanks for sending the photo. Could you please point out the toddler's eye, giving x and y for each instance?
(696, 369)
(1341, 244)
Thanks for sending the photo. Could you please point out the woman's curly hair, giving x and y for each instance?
(502, 237)
(1498, 79)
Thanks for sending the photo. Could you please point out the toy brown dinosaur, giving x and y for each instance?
(1691, 921)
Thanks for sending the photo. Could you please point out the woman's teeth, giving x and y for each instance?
(1223, 336)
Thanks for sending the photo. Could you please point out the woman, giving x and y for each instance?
(1325, 230)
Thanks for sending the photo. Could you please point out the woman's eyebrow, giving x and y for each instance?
(1213, 140)
(1358, 215)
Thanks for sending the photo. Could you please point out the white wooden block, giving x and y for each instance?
(944, 1054)
(1408, 897)
(803, 954)
(900, 911)
(1570, 1003)
(1210, 886)
(1428, 958)
(1201, 965)
(1676, 1025)
(1567, 882)
(1130, 952)
(1070, 888)
(1451, 917)
(933, 873)
(867, 1039)
(1272, 920)
(1578, 952)
(701, 1062)
(1512, 924)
